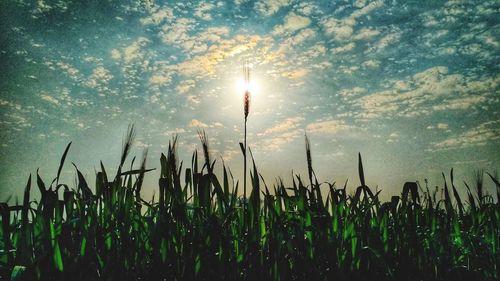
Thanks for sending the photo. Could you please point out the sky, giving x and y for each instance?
(411, 85)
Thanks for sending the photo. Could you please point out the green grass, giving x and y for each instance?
(197, 229)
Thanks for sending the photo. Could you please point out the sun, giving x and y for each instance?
(242, 86)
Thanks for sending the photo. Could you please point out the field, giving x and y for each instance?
(199, 227)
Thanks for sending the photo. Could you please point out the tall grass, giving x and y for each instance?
(197, 228)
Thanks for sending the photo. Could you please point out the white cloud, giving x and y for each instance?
(198, 124)
(288, 124)
(295, 73)
(442, 126)
(277, 142)
(488, 132)
(327, 127)
(307, 8)
(366, 33)
(353, 92)
(99, 77)
(134, 50)
(70, 70)
(344, 48)
(460, 103)
(213, 34)
(160, 79)
(393, 137)
(203, 11)
(386, 41)
(177, 31)
(205, 64)
(270, 7)
(185, 86)
(115, 54)
(338, 28)
(194, 100)
(371, 63)
(425, 92)
(342, 29)
(50, 99)
(158, 16)
(293, 22)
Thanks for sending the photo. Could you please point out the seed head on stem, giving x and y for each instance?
(246, 100)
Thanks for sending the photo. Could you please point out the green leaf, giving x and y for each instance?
(61, 164)
(83, 247)
(197, 264)
(360, 170)
(58, 258)
(17, 273)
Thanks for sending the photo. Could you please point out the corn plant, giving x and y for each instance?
(196, 227)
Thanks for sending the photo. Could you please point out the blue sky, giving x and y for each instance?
(412, 85)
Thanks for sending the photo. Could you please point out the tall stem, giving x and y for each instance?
(245, 167)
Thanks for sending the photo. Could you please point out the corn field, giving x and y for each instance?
(196, 228)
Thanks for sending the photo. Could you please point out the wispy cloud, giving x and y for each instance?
(484, 133)
(134, 50)
(426, 92)
(99, 78)
(328, 127)
(343, 28)
(288, 124)
(203, 11)
(270, 7)
(50, 99)
(185, 86)
(293, 22)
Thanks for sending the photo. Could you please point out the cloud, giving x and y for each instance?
(440, 126)
(291, 44)
(158, 16)
(230, 154)
(50, 99)
(99, 78)
(213, 34)
(176, 32)
(426, 92)
(366, 33)
(327, 127)
(205, 64)
(371, 63)
(288, 124)
(487, 132)
(277, 142)
(284, 132)
(307, 8)
(293, 22)
(270, 7)
(342, 29)
(194, 100)
(69, 69)
(115, 54)
(353, 92)
(460, 103)
(344, 48)
(385, 41)
(203, 11)
(296, 73)
(198, 124)
(393, 137)
(185, 86)
(134, 50)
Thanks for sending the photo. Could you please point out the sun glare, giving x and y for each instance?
(242, 86)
